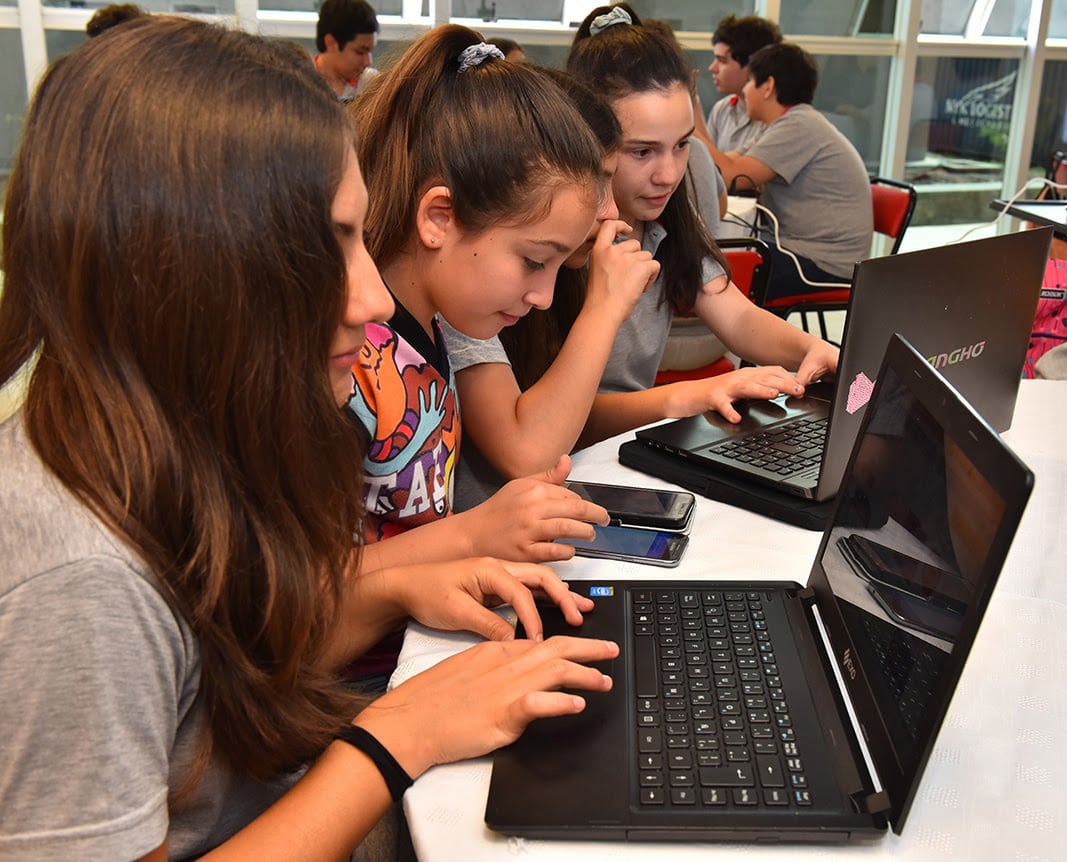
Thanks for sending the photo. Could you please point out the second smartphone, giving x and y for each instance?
(631, 545)
(646, 508)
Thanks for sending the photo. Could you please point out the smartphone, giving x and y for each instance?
(645, 508)
(632, 545)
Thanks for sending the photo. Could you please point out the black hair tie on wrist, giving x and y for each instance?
(396, 779)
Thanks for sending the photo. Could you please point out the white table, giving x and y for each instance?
(989, 791)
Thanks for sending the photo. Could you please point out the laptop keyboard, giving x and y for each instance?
(784, 450)
(713, 725)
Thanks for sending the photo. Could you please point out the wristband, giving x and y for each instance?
(396, 779)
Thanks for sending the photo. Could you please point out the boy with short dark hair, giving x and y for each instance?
(346, 35)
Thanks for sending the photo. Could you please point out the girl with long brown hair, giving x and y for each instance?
(183, 260)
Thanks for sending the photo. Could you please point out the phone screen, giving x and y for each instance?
(637, 545)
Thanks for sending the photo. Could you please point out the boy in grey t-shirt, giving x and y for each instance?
(812, 179)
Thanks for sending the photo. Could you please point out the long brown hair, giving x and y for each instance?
(501, 136)
(169, 255)
(626, 59)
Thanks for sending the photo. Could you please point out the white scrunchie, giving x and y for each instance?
(617, 15)
(475, 55)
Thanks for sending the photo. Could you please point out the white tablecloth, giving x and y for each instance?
(989, 790)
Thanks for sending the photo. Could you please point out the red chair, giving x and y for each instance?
(750, 267)
(894, 204)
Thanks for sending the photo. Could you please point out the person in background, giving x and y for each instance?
(511, 49)
(345, 36)
(814, 183)
(180, 588)
(735, 40)
(109, 16)
(534, 383)
(647, 82)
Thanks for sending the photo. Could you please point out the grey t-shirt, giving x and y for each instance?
(731, 128)
(476, 479)
(822, 194)
(99, 677)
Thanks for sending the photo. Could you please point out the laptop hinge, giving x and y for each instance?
(806, 594)
(872, 803)
(853, 718)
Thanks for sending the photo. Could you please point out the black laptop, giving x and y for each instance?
(969, 308)
(767, 711)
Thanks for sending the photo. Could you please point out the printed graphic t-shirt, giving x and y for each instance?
(405, 396)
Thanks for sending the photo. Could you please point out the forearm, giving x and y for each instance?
(438, 541)
(323, 817)
(764, 338)
(725, 162)
(550, 415)
(616, 412)
(371, 611)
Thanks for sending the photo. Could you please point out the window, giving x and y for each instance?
(838, 17)
(960, 119)
(12, 101)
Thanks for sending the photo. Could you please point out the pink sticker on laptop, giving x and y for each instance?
(859, 393)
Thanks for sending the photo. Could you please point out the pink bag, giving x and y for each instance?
(1050, 323)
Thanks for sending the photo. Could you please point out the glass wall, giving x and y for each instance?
(1050, 130)
(958, 134)
(959, 101)
(837, 17)
(209, 7)
(12, 101)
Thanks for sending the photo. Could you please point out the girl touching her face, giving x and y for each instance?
(535, 383)
(483, 179)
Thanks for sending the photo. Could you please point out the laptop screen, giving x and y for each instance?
(908, 557)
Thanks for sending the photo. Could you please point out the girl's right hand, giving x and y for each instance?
(690, 397)
(482, 698)
(619, 271)
(522, 520)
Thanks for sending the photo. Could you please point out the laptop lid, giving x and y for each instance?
(967, 307)
(922, 524)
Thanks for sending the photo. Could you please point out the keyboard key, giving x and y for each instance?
(735, 775)
(770, 771)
